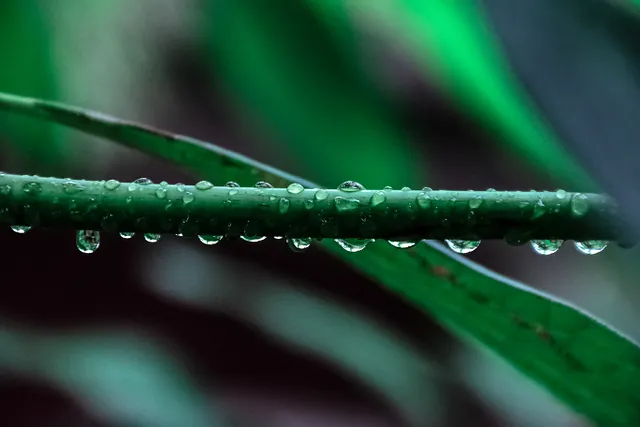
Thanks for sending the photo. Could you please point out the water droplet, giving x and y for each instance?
(263, 184)
(321, 194)
(295, 188)
(253, 239)
(591, 247)
(561, 194)
(387, 188)
(406, 189)
(127, 234)
(233, 192)
(87, 241)
(5, 190)
(378, 198)
(72, 187)
(283, 205)
(350, 186)
(463, 246)
(475, 202)
(402, 244)
(423, 200)
(133, 186)
(232, 184)
(161, 193)
(491, 190)
(203, 185)
(309, 204)
(299, 244)
(344, 205)
(152, 237)
(546, 247)
(353, 245)
(21, 229)
(188, 198)
(180, 187)
(209, 239)
(579, 205)
(112, 184)
(32, 188)
(427, 189)
(278, 237)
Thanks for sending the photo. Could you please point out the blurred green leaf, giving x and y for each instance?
(453, 40)
(284, 65)
(28, 69)
(589, 365)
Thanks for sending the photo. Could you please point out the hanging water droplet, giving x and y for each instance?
(309, 204)
(72, 187)
(378, 198)
(188, 198)
(278, 237)
(152, 237)
(112, 184)
(475, 202)
(127, 234)
(139, 182)
(591, 247)
(299, 244)
(353, 245)
(161, 193)
(546, 247)
(232, 184)
(263, 184)
(203, 185)
(209, 239)
(402, 244)
(87, 241)
(561, 194)
(253, 239)
(295, 188)
(423, 200)
(579, 205)
(20, 229)
(321, 194)
(344, 205)
(350, 186)
(283, 205)
(463, 246)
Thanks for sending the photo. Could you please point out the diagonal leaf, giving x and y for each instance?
(453, 39)
(584, 362)
(284, 67)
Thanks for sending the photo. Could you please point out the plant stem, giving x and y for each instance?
(381, 214)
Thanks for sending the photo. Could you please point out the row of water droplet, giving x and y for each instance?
(88, 241)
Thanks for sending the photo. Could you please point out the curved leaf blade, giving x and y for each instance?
(589, 365)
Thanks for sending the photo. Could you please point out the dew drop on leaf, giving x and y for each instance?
(423, 200)
(579, 205)
(295, 188)
(203, 185)
(209, 239)
(591, 247)
(309, 204)
(405, 189)
(283, 205)
(263, 184)
(353, 245)
(321, 194)
(21, 229)
(350, 186)
(344, 205)
(400, 244)
(87, 241)
(188, 198)
(463, 246)
(112, 184)
(161, 193)
(180, 187)
(561, 194)
(232, 184)
(127, 234)
(152, 237)
(378, 198)
(139, 182)
(546, 247)
(71, 187)
(427, 189)
(299, 244)
(475, 202)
